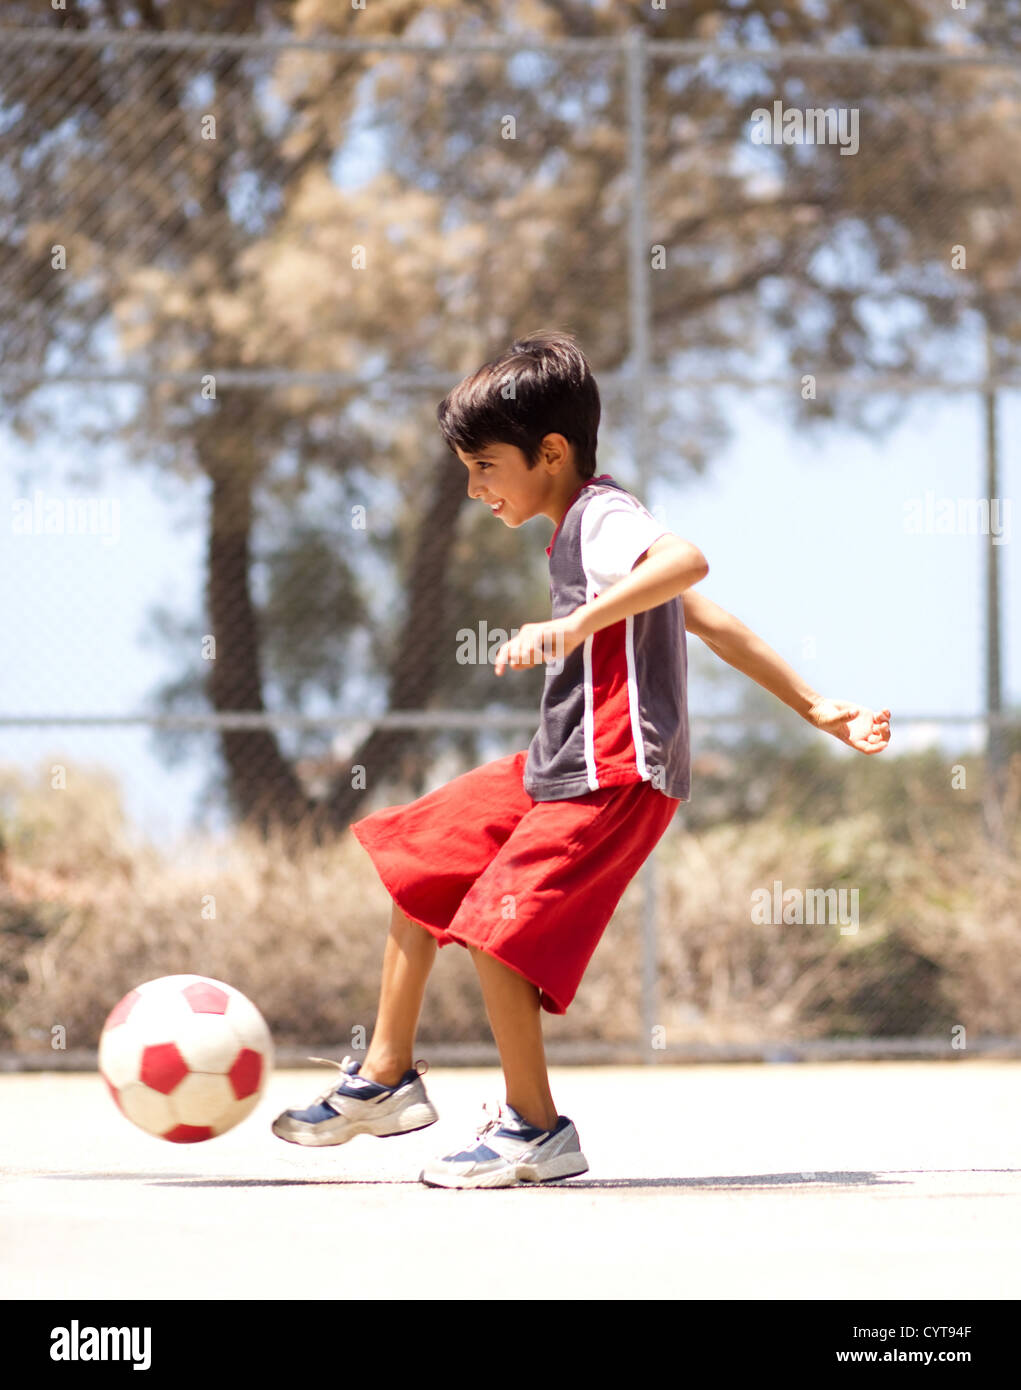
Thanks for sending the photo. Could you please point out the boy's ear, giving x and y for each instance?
(556, 451)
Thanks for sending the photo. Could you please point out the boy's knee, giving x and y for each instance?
(407, 926)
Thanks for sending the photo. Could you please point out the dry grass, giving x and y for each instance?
(86, 913)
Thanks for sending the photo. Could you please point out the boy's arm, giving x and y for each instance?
(664, 571)
(853, 724)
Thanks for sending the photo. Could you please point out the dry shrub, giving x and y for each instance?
(87, 912)
(936, 945)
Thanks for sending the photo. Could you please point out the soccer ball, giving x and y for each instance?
(185, 1057)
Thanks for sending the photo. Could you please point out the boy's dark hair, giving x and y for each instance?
(541, 385)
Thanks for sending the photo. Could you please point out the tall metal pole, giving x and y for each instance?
(995, 760)
(638, 257)
(638, 303)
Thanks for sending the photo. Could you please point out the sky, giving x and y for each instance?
(805, 537)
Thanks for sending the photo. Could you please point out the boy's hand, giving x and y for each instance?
(856, 725)
(536, 643)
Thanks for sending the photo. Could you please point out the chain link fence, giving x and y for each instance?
(238, 273)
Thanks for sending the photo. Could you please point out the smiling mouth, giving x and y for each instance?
(496, 508)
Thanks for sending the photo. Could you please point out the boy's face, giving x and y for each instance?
(499, 476)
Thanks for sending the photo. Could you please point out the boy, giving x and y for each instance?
(524, 860)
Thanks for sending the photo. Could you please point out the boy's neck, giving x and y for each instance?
(565, 485)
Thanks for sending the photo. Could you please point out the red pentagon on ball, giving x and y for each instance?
(162, 1067)
(246, 1073)
(188, 1134)
(120, 1011)
(205, 998)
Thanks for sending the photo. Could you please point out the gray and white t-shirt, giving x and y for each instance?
(616, 712)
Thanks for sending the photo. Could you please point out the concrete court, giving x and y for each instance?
(818, 1181)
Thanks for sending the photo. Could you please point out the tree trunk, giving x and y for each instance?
(263, 787)
(420, 652)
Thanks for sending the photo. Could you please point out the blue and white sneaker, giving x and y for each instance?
(359, 1106)
(509, 1151)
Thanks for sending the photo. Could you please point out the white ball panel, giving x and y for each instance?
(236, 1112)
(147, 1108)
(120, 1054)
(157, 1017)
(207, 1042)
(202, 1099)
(249, 1024)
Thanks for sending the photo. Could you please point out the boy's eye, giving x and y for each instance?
(484, 464)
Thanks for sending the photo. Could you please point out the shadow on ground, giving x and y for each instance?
(723, 1183)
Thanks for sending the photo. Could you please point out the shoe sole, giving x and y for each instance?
(567, 1165)
(328, 1133)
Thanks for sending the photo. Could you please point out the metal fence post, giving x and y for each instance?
(638, 305)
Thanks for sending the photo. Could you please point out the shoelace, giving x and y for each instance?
(421, 1066)
(493, 1121)
(498, 1115)
(333, 1085)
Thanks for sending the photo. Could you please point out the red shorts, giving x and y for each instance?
(533, 883)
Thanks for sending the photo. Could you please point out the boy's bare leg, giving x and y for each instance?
(407, 960)
(512, 1003)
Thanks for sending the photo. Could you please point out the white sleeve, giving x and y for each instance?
(615, 530)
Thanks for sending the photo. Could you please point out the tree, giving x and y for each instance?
(500, 204)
